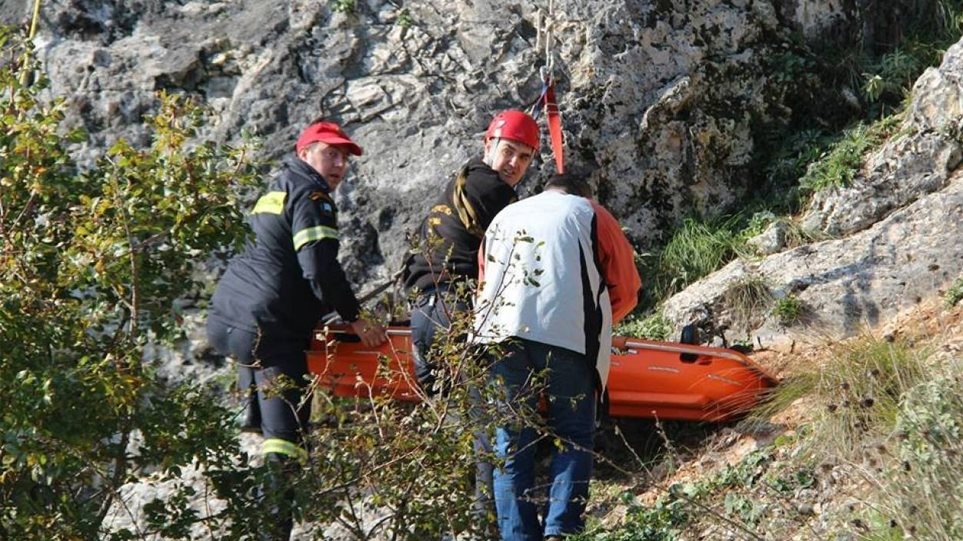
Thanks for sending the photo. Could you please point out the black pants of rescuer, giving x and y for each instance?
(278, 367)
(432, 313)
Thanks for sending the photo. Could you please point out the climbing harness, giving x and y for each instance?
(546, 98)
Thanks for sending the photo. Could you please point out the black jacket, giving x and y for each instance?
(284, 280)
(449, 237)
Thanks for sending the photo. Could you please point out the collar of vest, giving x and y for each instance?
(304, 172)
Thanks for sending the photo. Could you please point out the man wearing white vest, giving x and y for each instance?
(556, 272)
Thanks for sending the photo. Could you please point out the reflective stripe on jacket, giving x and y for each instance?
(289, 275)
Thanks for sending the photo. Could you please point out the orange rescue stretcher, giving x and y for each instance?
(647, 379)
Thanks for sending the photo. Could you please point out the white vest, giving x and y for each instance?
(542, 282)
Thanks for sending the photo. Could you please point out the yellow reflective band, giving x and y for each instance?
(271, 203)
(284, 447)
(442, 208)
(314, 233)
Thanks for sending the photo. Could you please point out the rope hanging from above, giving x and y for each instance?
(546, 98)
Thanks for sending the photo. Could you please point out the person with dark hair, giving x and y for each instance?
(273, 294)
(570, 183)
(556, 272)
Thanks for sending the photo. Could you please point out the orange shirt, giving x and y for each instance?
(618, 263)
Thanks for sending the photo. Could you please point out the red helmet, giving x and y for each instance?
(516, 126)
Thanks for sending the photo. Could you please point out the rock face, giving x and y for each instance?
(901, 229)
(908, 167)
(844, 286)
(663, 99)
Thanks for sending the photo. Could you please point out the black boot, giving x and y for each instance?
(248, 389)
(252, 413)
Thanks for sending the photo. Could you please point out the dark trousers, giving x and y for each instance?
(277, 367)
(431, 316)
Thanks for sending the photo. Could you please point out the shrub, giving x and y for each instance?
(405, 19)
(343, 6)
(654, 327)
(858, 393)
(696, 249)
(747, 300)
(955, 293)
(839, 165)
(93, 265)
(787, 310)
(92, 262)
(892, 75)
(919, 495)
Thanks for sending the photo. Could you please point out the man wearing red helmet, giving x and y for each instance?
(451, 233)
(511, 140)
(443, 267)
(273, 294)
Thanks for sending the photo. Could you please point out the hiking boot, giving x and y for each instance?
(252, 416)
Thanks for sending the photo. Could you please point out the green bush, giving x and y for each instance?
(343, 6)
(90, 265)
(839, 166)
(652, 327)
(955, 293)
(787, 310)
(790, 160)
(405, 19)
(697, 248)
(920, 494)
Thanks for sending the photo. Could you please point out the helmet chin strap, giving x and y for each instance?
(487, 156)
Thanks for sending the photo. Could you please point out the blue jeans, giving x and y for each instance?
(570, 394)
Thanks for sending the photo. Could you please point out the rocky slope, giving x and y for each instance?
(897, 233)
(667, 101)
(757, 480)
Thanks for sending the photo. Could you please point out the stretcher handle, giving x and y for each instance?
(623, 342)
(343, 328)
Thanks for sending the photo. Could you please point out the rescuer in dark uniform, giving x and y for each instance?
(273, 294)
